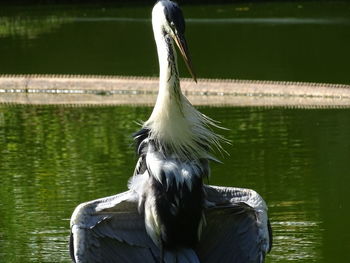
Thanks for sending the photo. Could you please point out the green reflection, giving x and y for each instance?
(53, 158)
(29, 28)
(292, 41)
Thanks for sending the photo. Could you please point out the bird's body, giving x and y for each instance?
(173, 145)
(176, 217)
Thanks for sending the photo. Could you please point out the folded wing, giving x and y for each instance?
(237, 229)
(112, 230)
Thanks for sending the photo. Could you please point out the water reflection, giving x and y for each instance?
(53, 158)
(29, 27)
(298, 236)
(50, 159)
(259, 41)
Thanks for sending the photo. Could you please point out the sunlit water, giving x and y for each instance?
(53, 158)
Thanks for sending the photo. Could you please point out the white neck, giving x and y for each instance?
(167, 116)
(174, 123)
(169, 84)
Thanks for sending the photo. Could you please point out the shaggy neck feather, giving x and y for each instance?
(177, 127)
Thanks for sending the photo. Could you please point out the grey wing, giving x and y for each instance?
(111, 230)
(237, 227)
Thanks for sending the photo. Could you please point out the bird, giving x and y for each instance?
(168, 214)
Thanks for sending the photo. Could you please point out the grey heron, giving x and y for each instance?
(169, 214)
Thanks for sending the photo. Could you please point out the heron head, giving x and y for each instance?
(169, 15)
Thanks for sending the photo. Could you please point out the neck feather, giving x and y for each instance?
(177, 127)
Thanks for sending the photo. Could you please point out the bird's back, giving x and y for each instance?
(172, 197)
(179, 210)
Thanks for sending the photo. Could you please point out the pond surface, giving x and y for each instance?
(53, 158)
(291, 41)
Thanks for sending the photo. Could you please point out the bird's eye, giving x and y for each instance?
(173, 27)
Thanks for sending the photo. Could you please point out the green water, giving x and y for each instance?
(53, 158)
(292, 41)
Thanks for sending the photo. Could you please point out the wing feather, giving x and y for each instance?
(111, 230)
(236, 229)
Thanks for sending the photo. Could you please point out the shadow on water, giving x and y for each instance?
(53, 158)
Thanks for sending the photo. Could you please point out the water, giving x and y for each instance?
(292, 41)
(53, 158)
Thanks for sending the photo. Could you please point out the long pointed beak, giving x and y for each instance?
(182, 45)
